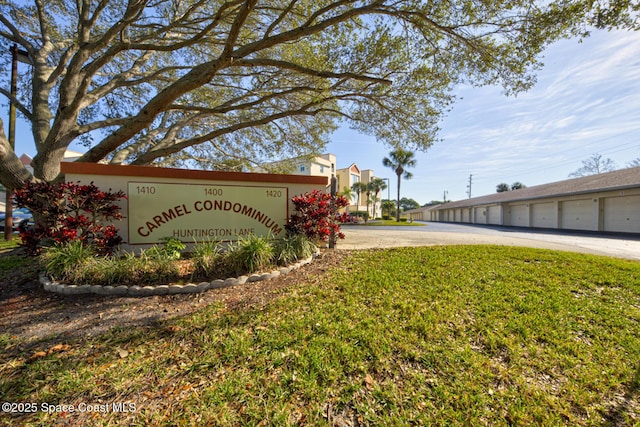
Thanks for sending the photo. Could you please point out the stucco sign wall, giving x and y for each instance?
(195, 205)
(196, 212)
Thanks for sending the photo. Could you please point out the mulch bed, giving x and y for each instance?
(36, 319)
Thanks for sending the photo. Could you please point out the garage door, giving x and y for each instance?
(580, 215)
(493, 215)
(622, 214)
(519, 215)
(544, 215)
(479, 216)
(465, 215)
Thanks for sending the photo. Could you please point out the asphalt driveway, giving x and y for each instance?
(436, 233)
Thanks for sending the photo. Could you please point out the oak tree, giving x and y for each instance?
(230, 83)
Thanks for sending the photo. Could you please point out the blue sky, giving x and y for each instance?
(586, 100)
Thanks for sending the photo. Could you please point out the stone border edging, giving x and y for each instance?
(188, 288)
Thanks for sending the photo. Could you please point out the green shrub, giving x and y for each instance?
(250, 254)
(292, 248)
(67, 261)
(153, 270)
(129, 270)
(111, 271)
(77, 263)
(361, 214)
(207, 258)
(170, 249)
(386, 217)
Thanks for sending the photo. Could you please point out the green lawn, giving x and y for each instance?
(392, 222)
(13, 243)
(445, 335)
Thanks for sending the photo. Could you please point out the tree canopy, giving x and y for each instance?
(594, 165)
(634, 163)
(408, 204)
(503, 186)
(227, 84)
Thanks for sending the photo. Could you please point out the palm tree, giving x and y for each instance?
(376, 185)
(389, 205)
(368, 189)
(348, 193)
(359, 187)
(398, 160)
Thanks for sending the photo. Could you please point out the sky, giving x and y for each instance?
(586, 101)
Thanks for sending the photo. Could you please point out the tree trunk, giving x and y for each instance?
(46, 164)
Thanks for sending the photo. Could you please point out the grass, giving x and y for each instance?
(9, 262)
(450, 335)
(12, 244)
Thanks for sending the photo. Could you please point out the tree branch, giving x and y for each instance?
(285, 65)
(149, 156)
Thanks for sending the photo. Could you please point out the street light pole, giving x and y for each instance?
(16, 54)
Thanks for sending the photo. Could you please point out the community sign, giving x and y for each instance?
(201, 212)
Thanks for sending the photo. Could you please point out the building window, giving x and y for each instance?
(321, 169)
(302, 168)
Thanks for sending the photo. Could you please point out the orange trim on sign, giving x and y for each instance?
(156, 172)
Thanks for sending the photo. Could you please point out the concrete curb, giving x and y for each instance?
(187, 288)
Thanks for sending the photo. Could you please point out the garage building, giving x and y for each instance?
(607, 202)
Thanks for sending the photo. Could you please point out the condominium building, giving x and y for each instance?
(325, 165)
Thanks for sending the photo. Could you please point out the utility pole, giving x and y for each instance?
(469, 185)
(22, 56)
(444, 196)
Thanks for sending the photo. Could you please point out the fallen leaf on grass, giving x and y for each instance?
(171, 329)
(368, 380)
(58, 348)
(37, 355)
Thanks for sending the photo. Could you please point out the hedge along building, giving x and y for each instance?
(607, 202)
(195, 205)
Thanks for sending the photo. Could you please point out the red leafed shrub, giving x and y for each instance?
(70, 211)
(317, 215)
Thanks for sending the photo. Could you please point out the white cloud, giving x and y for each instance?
(586, 101)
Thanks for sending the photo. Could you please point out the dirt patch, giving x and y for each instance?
(35, 318)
